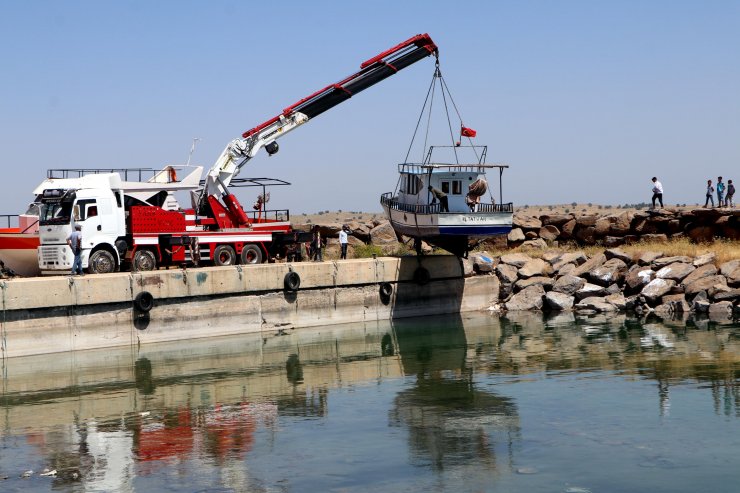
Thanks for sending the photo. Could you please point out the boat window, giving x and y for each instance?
(446, 186)
(411, 184)
(457, 187)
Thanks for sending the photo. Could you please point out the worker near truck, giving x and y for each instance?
(74, 240)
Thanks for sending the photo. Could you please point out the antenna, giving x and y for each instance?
(192, 149)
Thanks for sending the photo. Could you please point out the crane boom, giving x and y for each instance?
(239, 151)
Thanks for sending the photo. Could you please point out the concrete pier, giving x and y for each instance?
(58, 314)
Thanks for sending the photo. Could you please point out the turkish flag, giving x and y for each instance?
(467, 132)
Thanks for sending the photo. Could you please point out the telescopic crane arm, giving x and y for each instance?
(239, 151)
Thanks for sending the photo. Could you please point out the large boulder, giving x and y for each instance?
(617, 299)
(568, 284)
(482, 262)
(661, 262)
(530, 298)
(720, 311)
(638, 277)
(507, 274)
(656, 288)
(549, 232)
(648, 258)
(611, 271)
(700, 272)
(595, 303)
(618, 253)
(516, 259)
(526, 222)
(733, 277)
(567, 229)
(676, 271)
(516, 235)
(575, 258)
(589, 265)
(559, 301)
(384, 236)
(727, 267)
(537, 243)
(535, 267)
(707, 258)
(545, 282)
(589, 290)
(555, 219)
(704, 284)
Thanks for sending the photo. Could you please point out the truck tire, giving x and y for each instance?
(224, 255)
(251, 254)
(292, 281)
(144, 301)
(101, 262)
(143, 260)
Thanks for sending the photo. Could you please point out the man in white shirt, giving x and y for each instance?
(343, 241)
(657, 192)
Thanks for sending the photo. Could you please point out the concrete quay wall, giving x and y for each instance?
(57, 314)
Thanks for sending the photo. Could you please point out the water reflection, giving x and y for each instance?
(107, 419)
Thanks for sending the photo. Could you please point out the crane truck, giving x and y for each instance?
(133, 232)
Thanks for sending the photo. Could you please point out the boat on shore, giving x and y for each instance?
(461, 214)
(19, 240)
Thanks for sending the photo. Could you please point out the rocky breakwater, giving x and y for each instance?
(625, 227)
(614, 281)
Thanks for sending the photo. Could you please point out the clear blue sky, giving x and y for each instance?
(585, 100)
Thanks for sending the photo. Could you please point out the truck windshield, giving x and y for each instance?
(55, 212)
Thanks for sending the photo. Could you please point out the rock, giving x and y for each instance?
(530, 298)
(568, 284)
(648, 258)
(545, 282)
(555, 219)
(618, 253)
(701, 306)
(482, 262)
(602, 226)
(531, 235)
(539, 244)
(551, 256)
(595, 303)
(705, 270)
(467, 267)
(656, 288)
(704, 284)
(383, 235)
(730, 294)
(506, 273)
(589, 265)
(705, 259)
(728, 267)
(663, 261)
(586, 221)
(613, 288)
(566, 230)
(535, 267)
(679, 306)
(655, 238)
(586, 235)
(722, 310)
(566, 269)
(588, 290)
(575, 258)
(559, 301)
(637, 277)
(516, 259)
(676, 271)
(526, 222)
(733, 278)
(621, 223)
(613, 241)
(515, 235)
(618, 300)
(701, 234)
(549, 232)
(610, 272)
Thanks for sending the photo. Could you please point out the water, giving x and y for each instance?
(444, 404)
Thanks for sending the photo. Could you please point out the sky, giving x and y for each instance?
(585, 100)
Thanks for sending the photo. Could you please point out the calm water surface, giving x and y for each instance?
(465, 403)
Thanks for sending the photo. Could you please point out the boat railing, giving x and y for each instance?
(128, 174)
(418, 169)
(388, 200)
(9, 220)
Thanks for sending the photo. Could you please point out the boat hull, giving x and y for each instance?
(18, 252)
(450, 231)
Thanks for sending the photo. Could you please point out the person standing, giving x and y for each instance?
(343, 242)
(657, 192)
(316, 243)
(730, 194)
(710, 193)
(74, 240)
(442, 197)
(720, 192)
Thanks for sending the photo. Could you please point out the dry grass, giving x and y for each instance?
(725, 250)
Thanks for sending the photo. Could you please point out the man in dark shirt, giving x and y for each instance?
(442, 197)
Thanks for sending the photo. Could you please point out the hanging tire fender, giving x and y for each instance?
(386, 290)
(292, 281)
(144, 301)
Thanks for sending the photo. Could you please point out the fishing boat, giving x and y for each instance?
(19, 240)
(466, 210)
(447, 202)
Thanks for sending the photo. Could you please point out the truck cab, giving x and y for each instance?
(96, 202)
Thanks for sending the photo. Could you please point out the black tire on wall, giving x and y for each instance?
(144, 301)
(292, 281)
(386, 290)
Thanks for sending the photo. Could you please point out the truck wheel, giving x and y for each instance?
(101, 262)
(224, 255)
(143, 260)
(251, 254)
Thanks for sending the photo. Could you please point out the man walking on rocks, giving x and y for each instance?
(657, 192)
(720, 192)
(710, 194)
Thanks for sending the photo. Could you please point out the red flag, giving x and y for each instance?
(467, 132)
